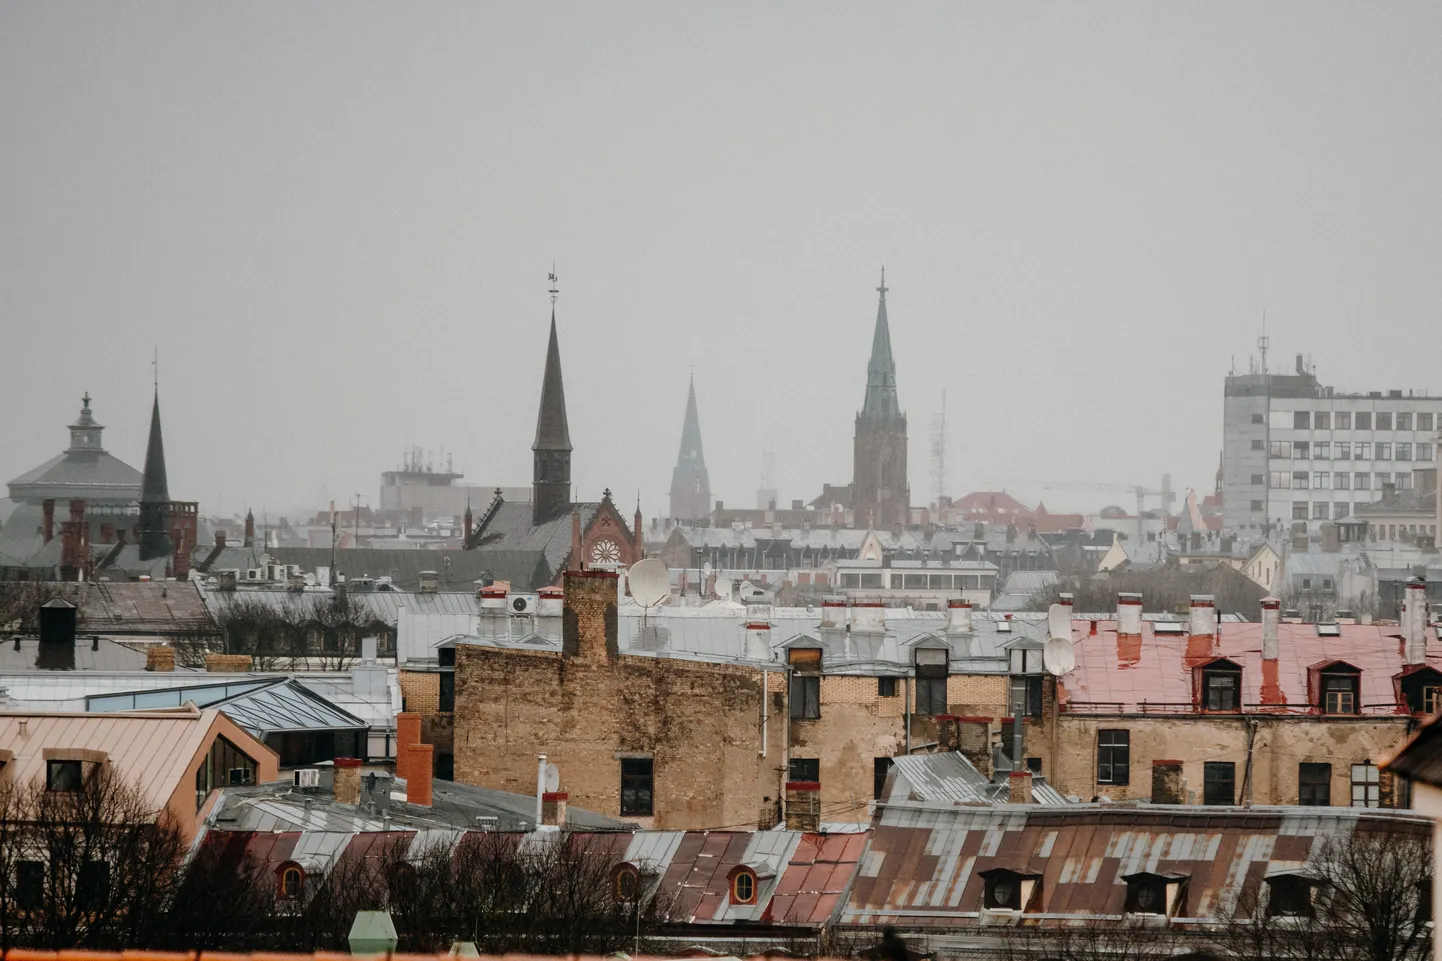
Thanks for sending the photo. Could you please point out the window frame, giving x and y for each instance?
(1211, 785)
(1211, 678)
(1110, 742)
(1314, 784)
(933, 668)
(283, 887)
(639, 781)
(738, 876)
(1370, 785)
(29, 884)
(803, 770)
(1290, 896)
(886, 687)
(54, 766)
(1340, 693)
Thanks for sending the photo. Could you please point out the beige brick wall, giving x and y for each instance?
(227, 663)
(422, 691)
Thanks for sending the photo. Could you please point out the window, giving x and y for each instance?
(1320, 509)
(1301, 450)
(1381, 479)
(1404, 452)
(625, 882)
(1361, 451)
(448, 692)
(1322, 450)
(1277, 479)
(879, 768)
(1384, 420)
(805, 683)
(1259, 505)
(1300, 479)
(292, 882)
(1364, 420)
(931, 671)
(1259, 444)
(1322, 420)
(92, 885)
(1221, 688)
(1384, 451)
(1343, 420)
(1289, 896)
(29, 885)
(1342, 481)
(1302, 420)
(1026, 691)
(1404, 420)
(1424, 451)
(1366, 786)
(1314, 784)
(804, 769)
(1280, 448)
(1403, 481)
(1114, 757)
(1258, 419)
(886, 687)
(637, 786)
(1424, 421)
(1341, 509)
(1005, 889)
(743, 886)
(62, 775)
(1344, 450)
(1361, 480)
(1299, 511)
(1321, 480)
(1219, 782)
(1431, 698)
(1146, 894)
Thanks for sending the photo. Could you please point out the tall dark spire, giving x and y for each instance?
(690, 483)
(881, 369)
(154, 493)
(551, 457)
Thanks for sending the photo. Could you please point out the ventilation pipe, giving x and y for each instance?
(1129, 614)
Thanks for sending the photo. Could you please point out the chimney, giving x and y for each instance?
(577, 560)
(160, 658)
(1301, 369)
(430, 582)
(958, 616)
(589, 629)
(1271, 618)
(220, 539)
(978, 531)
(249, 539)
(57, 636)
(1167, 782)
(1203, 615)
(833, 615)
(868, 618)
(347, 782)
(414, 760)
(758, 640)
(803, 806)
(1414, 621)
(553, 809)
(225, 580)
(1129, 614)
(1010, 532)
(1019, 787)
(493, 621)
(49, 529)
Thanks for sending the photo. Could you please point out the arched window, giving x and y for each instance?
(625, 883)
(290, 882)
(743, 886)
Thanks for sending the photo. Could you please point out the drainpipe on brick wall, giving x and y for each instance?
(786, 755)
(765, 716)
(908, 714)
(1247, 772)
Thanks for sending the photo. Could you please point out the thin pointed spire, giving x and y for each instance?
(552, 431)
(881, 369)
(690, 482)
(154, 488)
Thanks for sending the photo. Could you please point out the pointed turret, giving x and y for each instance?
(551, 475)
(881, 369)
(690, 483)
(154, 493)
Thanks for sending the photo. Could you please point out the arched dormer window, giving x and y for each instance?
(625, 883)
(290, 881)
(744, 884)
(1335, 687)
(1220, 686)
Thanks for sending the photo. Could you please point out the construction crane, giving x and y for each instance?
(1165, 496)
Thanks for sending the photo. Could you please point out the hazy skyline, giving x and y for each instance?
(336, 221)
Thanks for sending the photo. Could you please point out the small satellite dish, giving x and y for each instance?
(650, 582)
(553, 778)
(1058, 622)
(723, 588)
(1058, 656)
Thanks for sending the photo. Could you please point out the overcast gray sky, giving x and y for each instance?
(336, 220)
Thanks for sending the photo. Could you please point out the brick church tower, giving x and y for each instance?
(880, 494)
(690, 484)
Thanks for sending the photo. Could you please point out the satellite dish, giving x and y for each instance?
(552, 778)
(1058, 656)
(723, 588)
(1058, 622)
(650, 582)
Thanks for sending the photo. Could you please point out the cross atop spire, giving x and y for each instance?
(883, 288)
(881, 370)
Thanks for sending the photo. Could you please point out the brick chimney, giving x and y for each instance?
(160, 657)
(1019, 787)
(347, 780)
(553, 808)
(220, 539)
(1167, 782)
(589, 629)
(803, 806)
(414, 761)
(48, 530)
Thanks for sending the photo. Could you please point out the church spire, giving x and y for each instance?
(881, 370)
(154, 493)
(551, 452)
(690, 483)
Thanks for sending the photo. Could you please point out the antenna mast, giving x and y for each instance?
(555, 290)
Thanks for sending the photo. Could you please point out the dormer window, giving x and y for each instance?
(290, 882)
(625, 883)
(1421, 689)
(805, 683)
(1290, 896)
(1339, 694)
(931, 673)
(743, 885)
(63, 775)
(1222, 687)
(1149, 893)
(1008, 889)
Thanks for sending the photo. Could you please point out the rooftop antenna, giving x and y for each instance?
(1263, 342)
(555, 280)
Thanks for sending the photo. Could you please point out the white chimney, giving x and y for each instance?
(1129, 614)
(1204, 615)
(430, 582)
(1414, 621)
(833, 614)
(493, 619)
(958, 616)
(1271, 619)
(868, 618)
(551, 602)
(758, 640)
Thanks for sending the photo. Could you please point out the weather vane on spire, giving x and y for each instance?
(555, 283)
(155, 366)
(882, 289)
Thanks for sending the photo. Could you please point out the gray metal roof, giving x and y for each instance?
(260, 706)
(383, 605)
(951, 777)
(90, 654)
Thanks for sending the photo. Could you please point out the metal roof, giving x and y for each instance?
(952, 778)
(262, 707)
(90, 654)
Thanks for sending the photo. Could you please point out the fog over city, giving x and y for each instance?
(335, 223)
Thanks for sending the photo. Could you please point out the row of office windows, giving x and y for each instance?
(1344, 450)
(916, 581)
(1351, 420)
(1322, 480)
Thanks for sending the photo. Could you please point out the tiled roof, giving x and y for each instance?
(1157, 669)
(528, 553)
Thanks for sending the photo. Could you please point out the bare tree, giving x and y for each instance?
(20, 603)
(1130, 939)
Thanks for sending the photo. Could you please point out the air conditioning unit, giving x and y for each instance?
(307, 777)
(522, 603)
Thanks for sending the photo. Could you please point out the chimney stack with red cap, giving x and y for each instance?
(1203, 615)
(958, 616)
(1271, 620)
(1129, 614)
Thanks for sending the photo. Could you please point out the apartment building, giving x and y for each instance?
(1297, 454)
